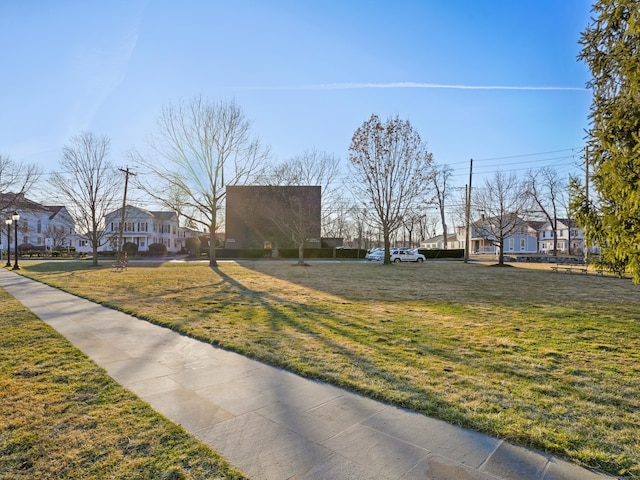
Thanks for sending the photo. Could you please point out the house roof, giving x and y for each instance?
(564, 221)
(439, 238)
(54, 210)
(163, 215)
(130, 209)
(536, 224)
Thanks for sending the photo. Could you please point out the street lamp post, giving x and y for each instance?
(8, 221)
(15, 217)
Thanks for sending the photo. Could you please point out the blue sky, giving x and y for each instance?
(307, 73)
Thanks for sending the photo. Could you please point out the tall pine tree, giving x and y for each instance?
(611, 49)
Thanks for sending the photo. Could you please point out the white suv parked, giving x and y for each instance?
(400, 255)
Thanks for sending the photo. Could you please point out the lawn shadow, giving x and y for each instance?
(282, 310)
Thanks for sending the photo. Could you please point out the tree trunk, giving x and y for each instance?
(444, 228)
(212, 248)
(94, 249)
(501, 252)
(387, 244)
(301, 254)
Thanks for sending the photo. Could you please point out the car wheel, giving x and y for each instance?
(420, 260)
(397, 260)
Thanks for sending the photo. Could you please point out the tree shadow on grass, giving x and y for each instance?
(281, 310)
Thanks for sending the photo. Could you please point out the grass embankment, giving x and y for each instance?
(62, 417)
(549, 360)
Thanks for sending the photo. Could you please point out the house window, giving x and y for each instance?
(511, 244)
(523, 244)
(39, 226)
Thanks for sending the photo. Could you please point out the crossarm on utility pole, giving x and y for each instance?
(126, 172)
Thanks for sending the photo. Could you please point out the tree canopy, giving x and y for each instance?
(201, 147)
(90, 185)
(391, 167)
(611, 217)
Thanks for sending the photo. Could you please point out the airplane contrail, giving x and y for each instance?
(346, 86)
(355, 86)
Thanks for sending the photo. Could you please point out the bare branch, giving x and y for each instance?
(16, 179)
(89, 184)
(390, 168)
(200, 148)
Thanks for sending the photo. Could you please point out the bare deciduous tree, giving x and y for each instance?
(547, 193)
(441, 178)
(311, 168)
(89, 184)
(58, 235)
(390, 168)
(203, 147)
(16, 179)
(294, 213)
(502, 200)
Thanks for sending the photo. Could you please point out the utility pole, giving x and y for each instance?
(468, 214)
(586, 195)
(124, 204)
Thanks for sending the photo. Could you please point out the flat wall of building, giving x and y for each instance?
(268, 216)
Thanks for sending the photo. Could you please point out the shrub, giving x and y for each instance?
(130, 248)
(157, 250)
(192, 244)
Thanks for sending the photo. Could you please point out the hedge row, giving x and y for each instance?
(438, 253)
(311, 253)
(290, 253)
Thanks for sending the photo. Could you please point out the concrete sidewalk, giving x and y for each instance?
(272, 424)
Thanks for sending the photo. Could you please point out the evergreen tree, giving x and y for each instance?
(611, 49)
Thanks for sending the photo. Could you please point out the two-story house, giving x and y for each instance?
(145, 227)
(41, 226)
(522, 239)
(570, 239)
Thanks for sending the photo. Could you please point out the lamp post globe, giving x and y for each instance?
(8, 221)
(15, 217)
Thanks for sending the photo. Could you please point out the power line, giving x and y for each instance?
(574, 149)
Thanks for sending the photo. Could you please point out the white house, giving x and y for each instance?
(570, 238)
(437, 242)
(145, 227)
(40, 226)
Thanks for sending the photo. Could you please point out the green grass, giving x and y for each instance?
(538, 358)
(62, 417)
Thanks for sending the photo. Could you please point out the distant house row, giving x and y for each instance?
(256, 217)
(529, 238)
(254, 220)
(52, 227)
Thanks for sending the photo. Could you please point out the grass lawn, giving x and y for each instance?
(549, 360)
(62, 417)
